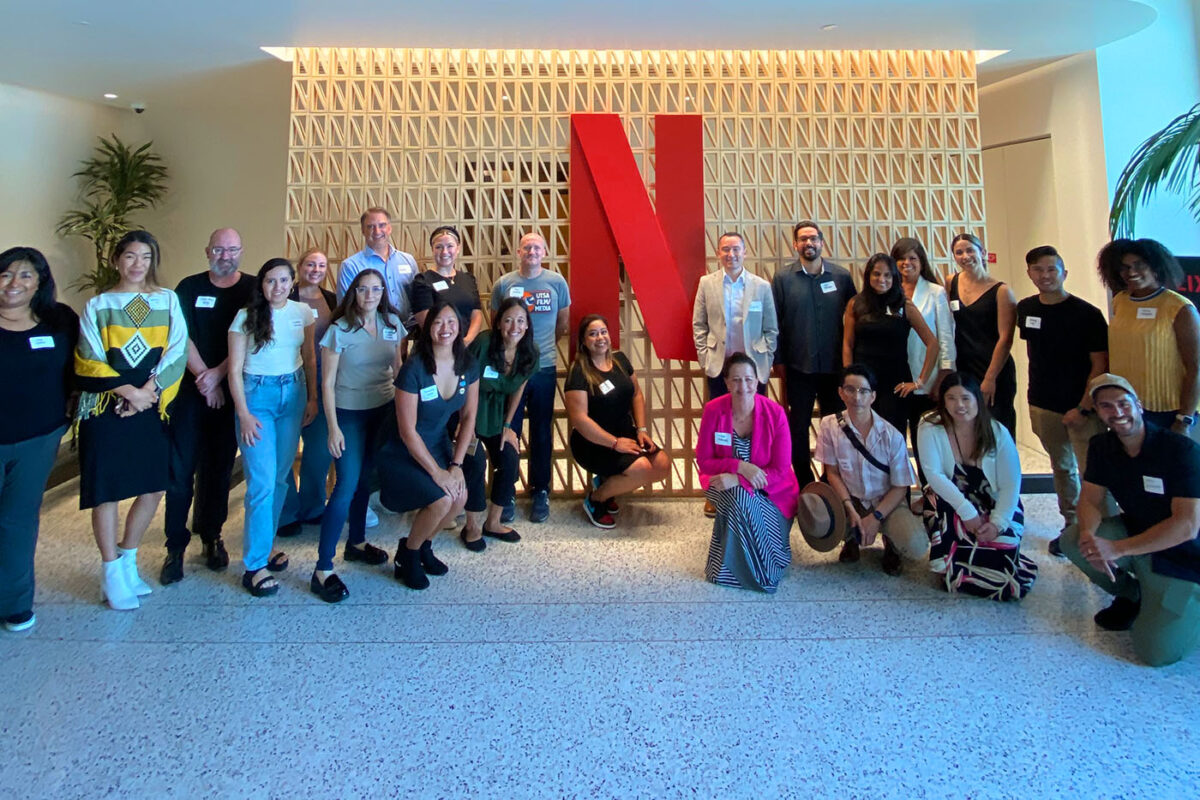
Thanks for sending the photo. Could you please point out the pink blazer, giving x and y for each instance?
(770, 449)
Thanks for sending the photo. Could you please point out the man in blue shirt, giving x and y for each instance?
(397, 267)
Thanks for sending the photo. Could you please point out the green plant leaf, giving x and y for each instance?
(1169, 159)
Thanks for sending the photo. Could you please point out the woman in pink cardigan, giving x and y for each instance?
(745, 457)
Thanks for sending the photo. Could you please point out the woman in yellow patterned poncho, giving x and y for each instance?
(130, 359)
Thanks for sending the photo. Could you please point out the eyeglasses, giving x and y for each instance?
(860, 392)
(368, 289)
(221, 251)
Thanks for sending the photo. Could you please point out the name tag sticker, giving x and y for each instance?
(606, 387)
(1147, 313)
(41, 342)
(516, 291)
(756, 305)
(440, 286)
(723, 438)
(1033, 323)
(1153, 485)
(404, 269)
(298, 323)
(158, 301)
(316, 315)
(490, 372)
(206, 301)
(429, 393)
(391, 335)
(828, 287)
(955, 305)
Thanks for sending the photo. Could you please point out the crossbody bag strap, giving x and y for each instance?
(848, 430)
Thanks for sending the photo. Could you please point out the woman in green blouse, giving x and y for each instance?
(507, 356)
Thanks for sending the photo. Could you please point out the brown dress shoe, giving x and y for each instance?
(710, 510)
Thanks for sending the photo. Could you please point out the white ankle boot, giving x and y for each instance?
(115, 588)
(129, 560)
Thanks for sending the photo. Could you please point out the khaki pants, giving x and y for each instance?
(1168, 626)
(901, 528)
(1067, 448)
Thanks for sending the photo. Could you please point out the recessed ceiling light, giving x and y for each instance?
(830, 27)
(110, 96)
(82, 22)
(282, 53)
(983, 56)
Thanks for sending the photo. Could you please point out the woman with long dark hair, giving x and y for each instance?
(421, 469)
(362, 357)
(37, 339)
(974, 476)
(607, 412)
(875, 333)
(129, 363)
(507, 357)
(985, 319)
(273, 383)
(1154, 333)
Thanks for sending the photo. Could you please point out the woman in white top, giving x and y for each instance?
(273, 382)
(974, 478)
(923, 287)
(361, 355)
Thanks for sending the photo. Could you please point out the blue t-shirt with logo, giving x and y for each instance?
(544, 296)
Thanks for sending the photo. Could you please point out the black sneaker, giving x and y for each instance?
(20, 622)
(850, 552)
(892, 563)
(172, 568)
(509, 513)
(216, 557)
(1120, 615)
(1055, 547)
(539, 510)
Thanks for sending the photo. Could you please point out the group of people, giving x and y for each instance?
(399, 381)
(931, 364)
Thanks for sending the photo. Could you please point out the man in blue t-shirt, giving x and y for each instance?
(548, 299)
(1149, 557)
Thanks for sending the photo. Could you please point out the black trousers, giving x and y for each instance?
(804, 389)
(203, 444)
(505, 463)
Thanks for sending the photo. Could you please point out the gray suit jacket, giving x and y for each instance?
(760, 328)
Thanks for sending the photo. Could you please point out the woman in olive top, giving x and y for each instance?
(362, 356)
(1153, 337)
(507, 357)
(37, 340)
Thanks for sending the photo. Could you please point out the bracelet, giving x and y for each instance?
(508, 425)
(456, 464)
(643, 428)
(613, 446)
(848, 500)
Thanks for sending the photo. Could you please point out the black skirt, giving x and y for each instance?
(404, 485)
(600, 460)
(121, 457)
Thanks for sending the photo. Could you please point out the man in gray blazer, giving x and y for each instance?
(734, 312)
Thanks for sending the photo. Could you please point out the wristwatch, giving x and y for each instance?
(875, 513)
(1087, 412)
(456, 464)
(1186, 419)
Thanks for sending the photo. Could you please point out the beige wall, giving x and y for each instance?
(42, 141)
(224, 136)
(1061, 100)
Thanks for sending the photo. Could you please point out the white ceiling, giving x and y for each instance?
(136, 48)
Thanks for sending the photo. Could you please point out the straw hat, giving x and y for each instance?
(821, 517)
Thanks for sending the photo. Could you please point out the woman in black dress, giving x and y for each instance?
(37, 340)
(875, 333)
(985, 317)
(607, 412)
(421, 469)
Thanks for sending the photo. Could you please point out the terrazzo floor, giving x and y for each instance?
(581, 663)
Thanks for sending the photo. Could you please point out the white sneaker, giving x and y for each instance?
(115, 588)
(128, 560)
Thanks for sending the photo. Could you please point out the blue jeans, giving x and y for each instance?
(277, 402)
(352, 485)
(539, 397)
(309, 501)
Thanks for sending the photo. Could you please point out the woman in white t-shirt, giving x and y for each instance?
(273, 381)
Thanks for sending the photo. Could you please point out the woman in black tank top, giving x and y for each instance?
(983, 328)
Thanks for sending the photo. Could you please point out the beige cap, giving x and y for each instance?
(1106, 380)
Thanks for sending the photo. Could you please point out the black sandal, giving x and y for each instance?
(332, 591)
(265, 587)
(278, 562)
(507, 536)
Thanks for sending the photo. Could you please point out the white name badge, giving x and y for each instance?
(158, 301)
(206, 301)
(723, 438)
(756, 305)
(41, 342)
(391, 335)
(1033, 323)
(316, 315)
(1147, 313)
(516, 291)
(606, 387)
(299, 323)
(440, 286)
(404, 269)
(828, 286)
(429, 393)
(490, 372)
(1153, 485)
(955, 305)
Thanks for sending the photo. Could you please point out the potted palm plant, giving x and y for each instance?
(116, 181)
(1171, 159)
